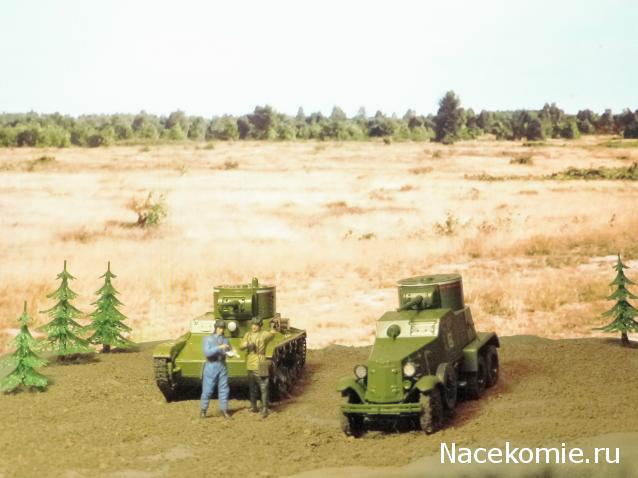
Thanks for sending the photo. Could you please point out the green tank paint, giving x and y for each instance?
(180, 363)
(426, 353)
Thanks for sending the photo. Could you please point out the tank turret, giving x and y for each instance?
(237, 304)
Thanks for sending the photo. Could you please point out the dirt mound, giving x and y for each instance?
(107, 417)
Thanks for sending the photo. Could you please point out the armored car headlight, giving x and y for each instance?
(361, 371)
(409, 369)
(232, 326)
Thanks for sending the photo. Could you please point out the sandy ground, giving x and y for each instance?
(333, 225)
(107, 418)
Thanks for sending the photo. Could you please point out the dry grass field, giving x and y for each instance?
(333, 225)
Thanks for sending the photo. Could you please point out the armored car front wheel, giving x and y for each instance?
(351, 423)
(447, 375)
(432, 413)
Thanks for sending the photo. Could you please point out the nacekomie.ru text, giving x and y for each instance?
(451, 453)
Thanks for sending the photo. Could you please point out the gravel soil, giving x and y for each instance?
(106, 417)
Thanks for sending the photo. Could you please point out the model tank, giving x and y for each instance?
(425, 356)
(179, 363)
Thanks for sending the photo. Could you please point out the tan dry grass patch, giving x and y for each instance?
(292, 215)
(342, 207)
(421, 170)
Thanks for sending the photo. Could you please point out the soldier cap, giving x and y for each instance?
(256, 321)
(220, 324)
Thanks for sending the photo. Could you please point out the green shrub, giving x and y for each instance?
(569, 130)
(628, 173)
(224, 129)
(286, 131)
(150, 211)
(54, 136)
(123, 131)
(449, 227)
(175, 133)
(197, 129)
(263, 123)
(631, 131)
(421, 133)
(534, 130)
(380, 125)
(96, 140)
(28, 136)
(8, 136)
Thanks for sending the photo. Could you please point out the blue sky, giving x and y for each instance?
(210, 58)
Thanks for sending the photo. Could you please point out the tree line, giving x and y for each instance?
(451, 123)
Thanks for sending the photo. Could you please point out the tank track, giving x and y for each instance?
(287, 360)
(163, 379)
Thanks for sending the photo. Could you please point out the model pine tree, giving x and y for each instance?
(623, 312)
(107, 326)
(24, 360)
(62, 332)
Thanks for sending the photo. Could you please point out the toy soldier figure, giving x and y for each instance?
(215, 373)
(254, 342)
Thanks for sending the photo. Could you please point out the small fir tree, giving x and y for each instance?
(62, 332)
(623, 312)
(24, 360)
(107, 326)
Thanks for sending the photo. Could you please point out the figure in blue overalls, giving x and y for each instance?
(215, 374)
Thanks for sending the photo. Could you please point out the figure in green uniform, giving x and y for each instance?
(254, 342)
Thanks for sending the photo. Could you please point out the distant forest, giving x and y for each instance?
(451, 123)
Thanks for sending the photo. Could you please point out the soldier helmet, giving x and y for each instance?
(256, 321)
(220, 324)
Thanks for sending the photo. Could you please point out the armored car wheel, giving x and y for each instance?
(491, 365)
(447, 375)
(431, 411)
(351, 424)
(477, 381)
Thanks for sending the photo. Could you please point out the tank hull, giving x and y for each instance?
(179, 364)
(286, 356)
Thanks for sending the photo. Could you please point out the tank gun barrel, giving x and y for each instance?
(415, 303)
